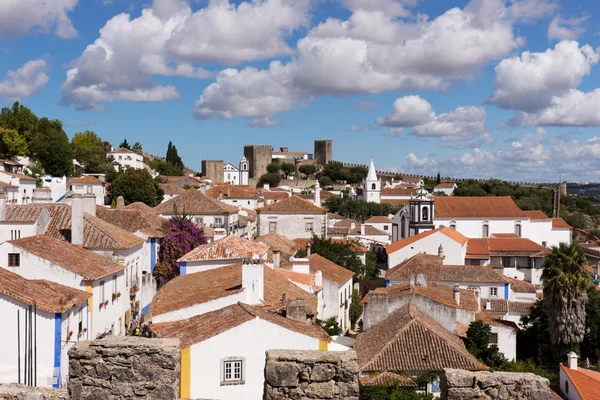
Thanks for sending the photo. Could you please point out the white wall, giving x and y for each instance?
(249, 341)
(246, 203)
(472, 227)
(127, 160)
(507, 341)
(16, 230)
(96, 189)
(25, 191)
(199, 309)
(107, 317)
(381, 226)
(190, 267)
(573, 394)
(454, 252)
(292, 225)
(57, 185)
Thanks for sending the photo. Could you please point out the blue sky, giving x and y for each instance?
(486, 88)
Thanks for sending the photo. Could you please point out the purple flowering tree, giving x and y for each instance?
(181, 236)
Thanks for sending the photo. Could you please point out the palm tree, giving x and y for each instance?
(565, 292)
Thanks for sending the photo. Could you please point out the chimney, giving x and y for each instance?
(301, 265)
(319, 278)
(202, 189)
(41, 195)
(572, 361)
(317, 194)
(89, 203)
(283, 149)
(220, 195)
(308, 246)
(77, 219)
(276, 258)
(120, 202)
(362, 229)
(253, 281)
(456, 294)
(296, 310)
(2, 206)
(441, 251)
(352, 225)
(266, 186)
(488, 305)
(376, 310)
(478, 299)
(411, 283)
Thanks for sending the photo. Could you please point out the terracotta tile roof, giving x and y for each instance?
(492, 319)
(331, 271)
(355, 246)
(20, 176)
(138, 205)
(461, 330)
(559, 223)
(23, 214)
(192, 201)
(395, 202)
(537, 215)
(230, 247)
(299, 277)
(519, 286)
(398, 191)
(133, 220)
(503, 306)
(344, 228)
(503, 246)
(275, 195)
(451, 233)
(409, 341)
(48, 296)
(431, 266)
(335, 216)
(122, 150)
(324, 195)
(278, 242)
(84, 263)
(585, 381)
(477, 207)
(449, 185)
(443, 294)
(504, 235)
(411, 179)
(387, 379)
(292, 205)
(379, 219)
(233, 192)
(171, 189)
(4, 185)
(201, 287)
(85, 179)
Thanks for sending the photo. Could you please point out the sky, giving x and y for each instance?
(507, 89)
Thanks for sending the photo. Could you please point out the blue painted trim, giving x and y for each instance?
(146, 309)
(152, 254)
(57, 336)
(387, 283)
(506, 291)
(61, 198)
(87, 319)
(182, 268)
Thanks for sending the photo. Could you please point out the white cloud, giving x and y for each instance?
(354, 128)
(167, 39)
(390, 7)
(413, 161)
(372, 52)
(531, 10)
(566, 28)
(530, 81)
(25, 81)
(19, 17)
(464, 123)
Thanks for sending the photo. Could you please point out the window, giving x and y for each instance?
(425, 214)
(494, 338)
(120, 325)
(14, 260)
(518, 230)
(80, 321)
(101, 291)
(386, 227)
(200, 220)
(494, 292)
(309, 226)
(545, 244)
(272, 226)
(485, 230)
(115, 284)
(232, 371)
(453, 225)
(566, 387)
(506, 262)
(373, 186)
(15, 234)
(218, 222)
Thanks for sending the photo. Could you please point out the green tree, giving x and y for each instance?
(307, 169)
(274, 168)
(330, 326)
(478, 344)
(398, 177)
(89, 151)
(325, 182)
(172, 156)
(590, 347)
(125, 145)
(566, 283)
(356, 308)
(438, 179)
(21, 119)
(288, 169)
(136, 185)
(137, 146)
(12, 144)
(359, 210)
(168, 169)
(272, 179)
(52, 148)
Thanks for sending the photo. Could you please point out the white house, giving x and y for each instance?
(445, 188)
(43, 257)
(352, 230)
(125, 158)
(504, 333)
(237, 175)
(382, 223)
(88, 184)
(293, 217)
(371, 190)
(578, 383)
(225, 251)
(237, 195)
(223, 351)
(444, 242)
(170, 190)
(203, 209)
(57, 185)
(15, 223)
(26, 186)
(59, 316)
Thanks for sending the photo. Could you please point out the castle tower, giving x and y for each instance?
(421, 213)
(372, 186)
(244, 171)
(323, 152)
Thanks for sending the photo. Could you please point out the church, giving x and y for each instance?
(237, 175)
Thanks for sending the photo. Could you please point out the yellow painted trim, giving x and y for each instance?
(89, 288)
(184, 381)
(323, 345)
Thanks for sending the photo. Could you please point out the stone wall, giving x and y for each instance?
(296, 374)
(466, 385)
(21, 392)
(124, 368)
